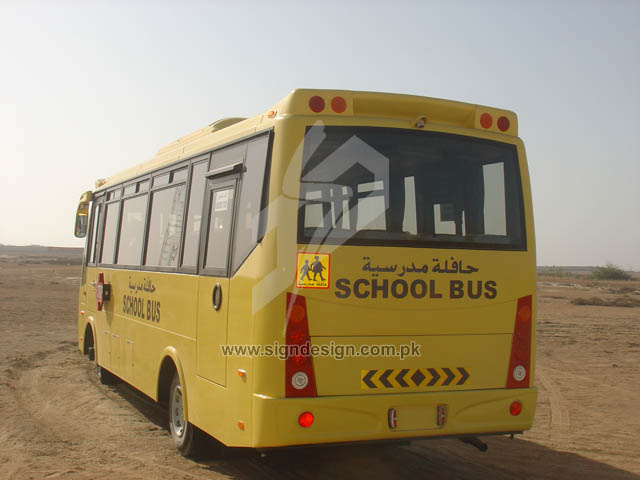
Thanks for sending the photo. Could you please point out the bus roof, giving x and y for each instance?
(415, 109)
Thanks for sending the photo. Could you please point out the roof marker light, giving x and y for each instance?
(316, 104)
(503, 124)
(486, 120)
(338, 104)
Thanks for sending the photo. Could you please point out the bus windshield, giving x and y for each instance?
(387, 186)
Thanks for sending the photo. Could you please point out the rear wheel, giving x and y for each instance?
(186, 438)
(105, 376)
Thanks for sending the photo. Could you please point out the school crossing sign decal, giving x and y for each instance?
(313, 270)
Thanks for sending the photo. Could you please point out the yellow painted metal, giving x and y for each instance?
(153, 316)
(212, 330)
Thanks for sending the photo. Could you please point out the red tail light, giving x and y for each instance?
(300, 380)
(305, 419)
(520, 360)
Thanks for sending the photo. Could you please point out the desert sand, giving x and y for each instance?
(58, 421)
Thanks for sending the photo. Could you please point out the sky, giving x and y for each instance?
(89, 88)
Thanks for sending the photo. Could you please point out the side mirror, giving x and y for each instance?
(82, 215)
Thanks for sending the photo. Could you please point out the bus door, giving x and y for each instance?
(213, 302)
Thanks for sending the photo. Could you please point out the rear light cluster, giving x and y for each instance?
(300, 380)
(317, 104)
(486, 121)
(520, 360)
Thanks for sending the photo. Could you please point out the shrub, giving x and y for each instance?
(604, 302)
(553, 271)
(610, 272)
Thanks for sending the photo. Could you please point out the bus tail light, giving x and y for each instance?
(515, 408)
(520, 359)
(300, 380)
(305, 419)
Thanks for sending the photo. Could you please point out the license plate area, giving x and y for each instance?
(419, 417)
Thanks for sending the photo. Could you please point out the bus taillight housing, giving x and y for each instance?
(300, 380)
(520, 360)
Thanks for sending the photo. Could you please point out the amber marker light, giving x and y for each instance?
(305, 419)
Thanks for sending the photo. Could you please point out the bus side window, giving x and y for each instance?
(194, 216)
(248, 219)
(109, 233)
(165, 227)
(134, 211)
(96, 231)
(219, 233)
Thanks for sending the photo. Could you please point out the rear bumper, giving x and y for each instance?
(359, 418)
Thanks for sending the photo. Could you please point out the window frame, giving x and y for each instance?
(117, 234)
(443, 244)
(214, 184)
(144, 229)
(96, 244)
(153, 191)
(204, 158)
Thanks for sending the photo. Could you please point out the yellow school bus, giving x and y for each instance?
(345, 267)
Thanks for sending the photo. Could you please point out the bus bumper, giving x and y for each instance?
(359, 418)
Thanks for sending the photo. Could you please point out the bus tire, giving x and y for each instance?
(105, 376)
(186, 437)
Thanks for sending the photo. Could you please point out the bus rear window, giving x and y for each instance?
(382, 186)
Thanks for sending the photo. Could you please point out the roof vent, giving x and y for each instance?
(224, 123)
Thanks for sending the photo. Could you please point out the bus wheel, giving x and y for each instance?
(105, 376)
(185, 436)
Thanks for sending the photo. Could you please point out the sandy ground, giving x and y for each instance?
(57, 421)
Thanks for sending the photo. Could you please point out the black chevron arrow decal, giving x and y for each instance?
(450, 376)
(367, 379)
(400, 377)
(383, 378)
(435, 376)
(465, 376)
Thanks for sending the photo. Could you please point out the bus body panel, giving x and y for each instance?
(460, 318)
(362, 418)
